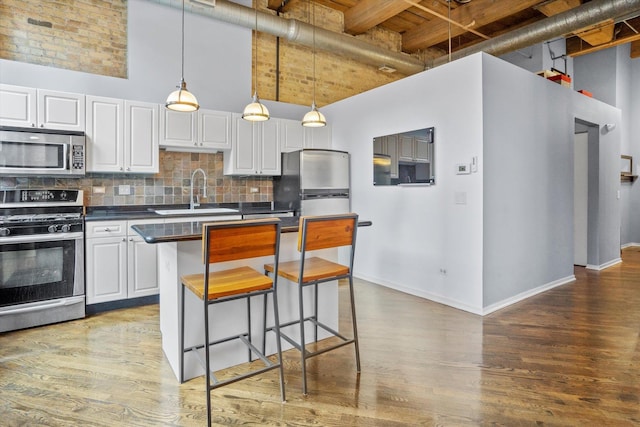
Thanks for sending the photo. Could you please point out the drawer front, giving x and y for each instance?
(106, 228)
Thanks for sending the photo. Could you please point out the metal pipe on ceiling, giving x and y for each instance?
(585, 15)
(300, 32)
(588, 14)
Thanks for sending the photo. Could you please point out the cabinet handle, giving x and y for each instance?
(107, 229)
(33, 125)
(42, 125)
(124, 240)
(195, 144)
(128, 169)
(131, 239)
(121, 169)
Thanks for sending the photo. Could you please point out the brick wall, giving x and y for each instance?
(170, 186)
(337, 77)
(80, 35)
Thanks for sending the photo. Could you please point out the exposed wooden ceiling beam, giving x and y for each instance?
(575, 47)
(554, 7)
(635, 49)
(481, 11)
(366, 14)
(451, 21)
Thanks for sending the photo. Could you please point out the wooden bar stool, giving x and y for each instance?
(315, 233)
(229, 241)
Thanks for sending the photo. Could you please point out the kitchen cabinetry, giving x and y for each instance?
(414, 149)
(201, 131)
(388, 145)
(122, 136)
(47, 109)
(294, 136)
(119, 265)
(255, 148)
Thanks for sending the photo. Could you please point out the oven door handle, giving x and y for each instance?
(49, 237)
(43, 305)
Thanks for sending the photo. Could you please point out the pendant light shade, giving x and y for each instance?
(182, 99)
(314, 118)
(255, 111)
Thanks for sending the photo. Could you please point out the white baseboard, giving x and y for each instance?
(422, 294)
(629, 245)
(466, 307)
(605, 265)
(524, 295)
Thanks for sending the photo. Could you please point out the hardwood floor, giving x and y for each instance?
(567, 357)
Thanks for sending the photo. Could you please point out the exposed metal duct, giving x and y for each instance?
(588, 14)
(300, 32)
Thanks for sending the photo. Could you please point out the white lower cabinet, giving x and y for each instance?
(119, 264)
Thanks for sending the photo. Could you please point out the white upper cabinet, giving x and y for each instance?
(142, 153)
(294, 136)
(122, 136)
(201, 131)
(214, 129)
(255, 148)
(39, 108)
(178, 129)
(105, 134)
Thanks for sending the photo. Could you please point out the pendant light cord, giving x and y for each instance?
(313, 17)
(255, 48)
(182, 72)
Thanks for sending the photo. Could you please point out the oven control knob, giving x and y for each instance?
(52, 228)
(66, 228)
(4, 231)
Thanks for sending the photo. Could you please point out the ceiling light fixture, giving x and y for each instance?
(314, 118)
(182, 99)
(255, 111)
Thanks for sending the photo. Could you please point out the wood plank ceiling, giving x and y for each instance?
(436, 24)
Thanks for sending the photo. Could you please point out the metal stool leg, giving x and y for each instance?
(207, 367)
(303, 348)
(276, 317)
(355, 327)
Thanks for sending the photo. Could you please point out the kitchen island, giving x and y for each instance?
(180, 253)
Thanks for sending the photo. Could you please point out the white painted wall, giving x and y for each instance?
(634, 149)
(418, 231)
(514, 237)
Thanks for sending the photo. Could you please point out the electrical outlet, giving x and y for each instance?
(99, 190)
(254, 190)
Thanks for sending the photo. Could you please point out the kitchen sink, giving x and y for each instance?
(203, 211)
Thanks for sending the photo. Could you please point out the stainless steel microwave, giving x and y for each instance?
(41, 152)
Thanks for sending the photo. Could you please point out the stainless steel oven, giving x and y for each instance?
(41, 257)
(41, 152)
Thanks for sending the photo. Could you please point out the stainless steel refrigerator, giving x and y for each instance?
(313, 182)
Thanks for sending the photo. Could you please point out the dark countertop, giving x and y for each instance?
(115, 213)
(192, 230)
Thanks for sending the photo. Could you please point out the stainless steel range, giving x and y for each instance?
(41, 257)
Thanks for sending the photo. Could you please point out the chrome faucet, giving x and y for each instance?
(193, 204)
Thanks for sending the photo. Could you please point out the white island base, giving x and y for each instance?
(176, 259)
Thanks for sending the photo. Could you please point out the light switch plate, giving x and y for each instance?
(124, 190)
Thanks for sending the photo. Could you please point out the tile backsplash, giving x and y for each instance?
(170, 186)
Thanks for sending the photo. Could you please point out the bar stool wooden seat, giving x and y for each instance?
(230, 241)
(315, 233)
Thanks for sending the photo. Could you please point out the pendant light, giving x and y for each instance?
(182, 99)
(255, 111)
(314, 118)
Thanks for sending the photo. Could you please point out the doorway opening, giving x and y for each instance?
(585, 193)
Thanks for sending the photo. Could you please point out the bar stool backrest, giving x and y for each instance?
(233, 240)
(327, 231)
